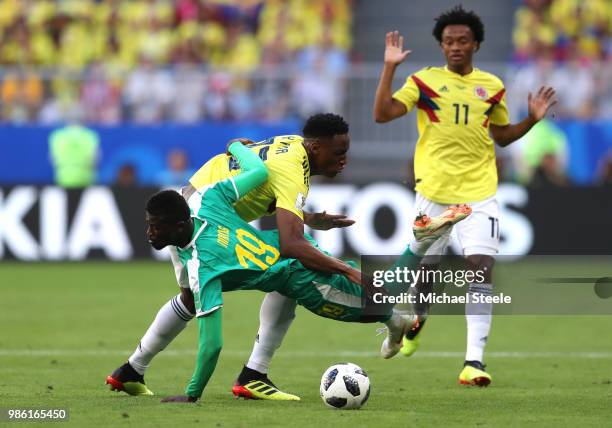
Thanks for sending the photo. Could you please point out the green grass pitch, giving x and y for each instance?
(66, 326)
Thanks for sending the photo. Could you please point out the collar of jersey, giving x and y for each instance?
(307, 160)
(195, 235)
(470, 74)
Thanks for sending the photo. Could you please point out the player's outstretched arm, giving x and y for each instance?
(294, 245)
(209, 348)
(253, 170)
(386, 108)
(537, 106)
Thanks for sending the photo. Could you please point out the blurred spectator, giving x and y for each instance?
(603, 83)
(177, 172)
(21, 95)
(189, 93)
(63, 103)
(126, 176)
(100, 98)
(569, 27)
(115, 59)
(566, 44)
(319, 85)
(542, 154)
(148, 92)
(74, 152)
(605, 171)
(549, 173)
(315, 91)
(574, 82)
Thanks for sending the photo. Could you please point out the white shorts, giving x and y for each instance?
(477, 234)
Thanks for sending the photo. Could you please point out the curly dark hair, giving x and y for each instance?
(459, 16)
(325, 125)
(169, 205)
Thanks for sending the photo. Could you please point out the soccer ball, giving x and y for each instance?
(345, 386)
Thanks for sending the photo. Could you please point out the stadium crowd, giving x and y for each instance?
(566, 44)
(145, 61)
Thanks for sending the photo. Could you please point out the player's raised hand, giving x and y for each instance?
(179, 399)
(394, 48)
(324, 221)
(539, 104)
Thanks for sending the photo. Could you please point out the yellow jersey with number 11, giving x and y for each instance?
(455, 156)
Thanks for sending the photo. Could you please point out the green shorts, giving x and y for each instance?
(327, 295)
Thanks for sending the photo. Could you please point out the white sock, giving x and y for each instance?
(275, 316)
(394, 324)
(171, 319)
(419, 248)
(478, 316)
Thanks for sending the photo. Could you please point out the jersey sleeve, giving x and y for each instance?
(500, 116)
(289, 180)
(211, 172)
(408, 94)
(253, 173)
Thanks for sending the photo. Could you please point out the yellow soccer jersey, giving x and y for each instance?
(288, 180)
(455, 157)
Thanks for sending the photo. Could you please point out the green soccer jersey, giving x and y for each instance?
(224, 243)
(228, 254)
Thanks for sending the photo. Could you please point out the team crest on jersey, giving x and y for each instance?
(481, 92)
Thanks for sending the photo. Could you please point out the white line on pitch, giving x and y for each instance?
(292, 354)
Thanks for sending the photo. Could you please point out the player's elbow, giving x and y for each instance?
(380, 117)
(293, 248)
(290, 251)
(501, 142)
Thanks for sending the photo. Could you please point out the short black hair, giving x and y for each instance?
(325, 125)
(169, 205)
(459, 16)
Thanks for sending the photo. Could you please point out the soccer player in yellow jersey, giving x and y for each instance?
(459, 109)
(290, 160)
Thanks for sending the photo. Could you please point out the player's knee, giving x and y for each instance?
(187, 299)
(483, 265)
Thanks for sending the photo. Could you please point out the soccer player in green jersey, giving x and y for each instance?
(222, 252)
(291, 160)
